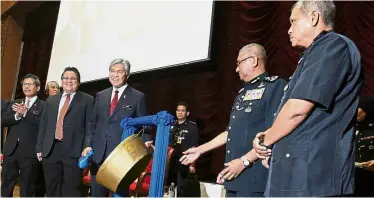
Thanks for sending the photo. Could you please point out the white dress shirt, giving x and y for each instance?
(62, 101)
(120, 91)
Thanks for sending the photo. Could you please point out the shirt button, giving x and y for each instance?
(233, 117)
(228, 139)
(275, 114)
(228, 151)
(230, 128)
(288, 155)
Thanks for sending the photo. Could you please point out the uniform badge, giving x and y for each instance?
(254, 94)
(179, 141)
(248, 110)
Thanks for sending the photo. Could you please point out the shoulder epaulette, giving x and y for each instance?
(191, 122)
(271, 78)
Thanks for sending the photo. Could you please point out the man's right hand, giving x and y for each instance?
(39, 156)
(149, 144)
(190, 156)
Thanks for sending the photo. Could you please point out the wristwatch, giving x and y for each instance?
(262, 144)
(246, 162)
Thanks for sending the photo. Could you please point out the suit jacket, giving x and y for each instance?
(76, 135)
(25, 130)
(106, 129)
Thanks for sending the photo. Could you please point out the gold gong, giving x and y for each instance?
(126, 162)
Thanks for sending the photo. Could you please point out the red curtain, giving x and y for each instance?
(210, 92)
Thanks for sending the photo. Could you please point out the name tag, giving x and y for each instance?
(254, 94)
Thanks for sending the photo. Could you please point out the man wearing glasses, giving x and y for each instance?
(22, 119)
(111, 106)
(253, 111)
(63, 134)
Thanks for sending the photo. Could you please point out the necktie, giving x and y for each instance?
(28, 104)
(114, 102)
(60, 121)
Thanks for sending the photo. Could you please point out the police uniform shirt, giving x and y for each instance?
(183, 136)
(252, 112)
(317, 158)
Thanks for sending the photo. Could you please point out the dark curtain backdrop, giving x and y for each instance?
(210, 87)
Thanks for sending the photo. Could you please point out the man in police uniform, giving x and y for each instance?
(253, 111)
(183, 135)
(313, 132)
(365, 149)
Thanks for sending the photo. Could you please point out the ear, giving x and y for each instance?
(38, 89)
(255, 61)
(188, 113)
(314, 18)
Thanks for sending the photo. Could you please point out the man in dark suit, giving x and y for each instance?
(22, 119)
(62, 136)
(111, 106)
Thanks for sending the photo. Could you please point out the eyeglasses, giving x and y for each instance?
(28, 84)
(54, 87)
(240, 62)
(112, 71)
(67, 78)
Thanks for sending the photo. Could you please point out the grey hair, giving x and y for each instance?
(259, 50)
(32, 76)
(122, 61)
(325, 7)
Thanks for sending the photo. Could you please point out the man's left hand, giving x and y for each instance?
(369, 165)
(232, 170)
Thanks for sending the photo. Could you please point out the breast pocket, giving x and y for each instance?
(290, 167)
(253, 111)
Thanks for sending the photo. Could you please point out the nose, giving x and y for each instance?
(237, 69)
(289, 31)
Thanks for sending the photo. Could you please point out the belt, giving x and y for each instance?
(59, 141)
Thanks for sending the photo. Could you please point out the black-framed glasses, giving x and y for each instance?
(240, 62)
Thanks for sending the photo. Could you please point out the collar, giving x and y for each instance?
(320, 35)
(260, 77)
(71, 95)
(32, 99)
(120, 90)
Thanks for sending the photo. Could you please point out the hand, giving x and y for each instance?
(20, 109)
(192, 169)
(265, 162)
(369, 165)
(232, 170)
(149, 144)
(261, 151)
(190, 156)
(39, 156)
(86, 151)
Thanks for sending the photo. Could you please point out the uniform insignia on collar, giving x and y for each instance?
(300, 60)
(261, 85)
(271, 78)
(255, 80)
(285, 88)
(241, 90)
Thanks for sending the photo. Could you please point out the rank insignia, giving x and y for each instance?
(271, 78)
(254, 94)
